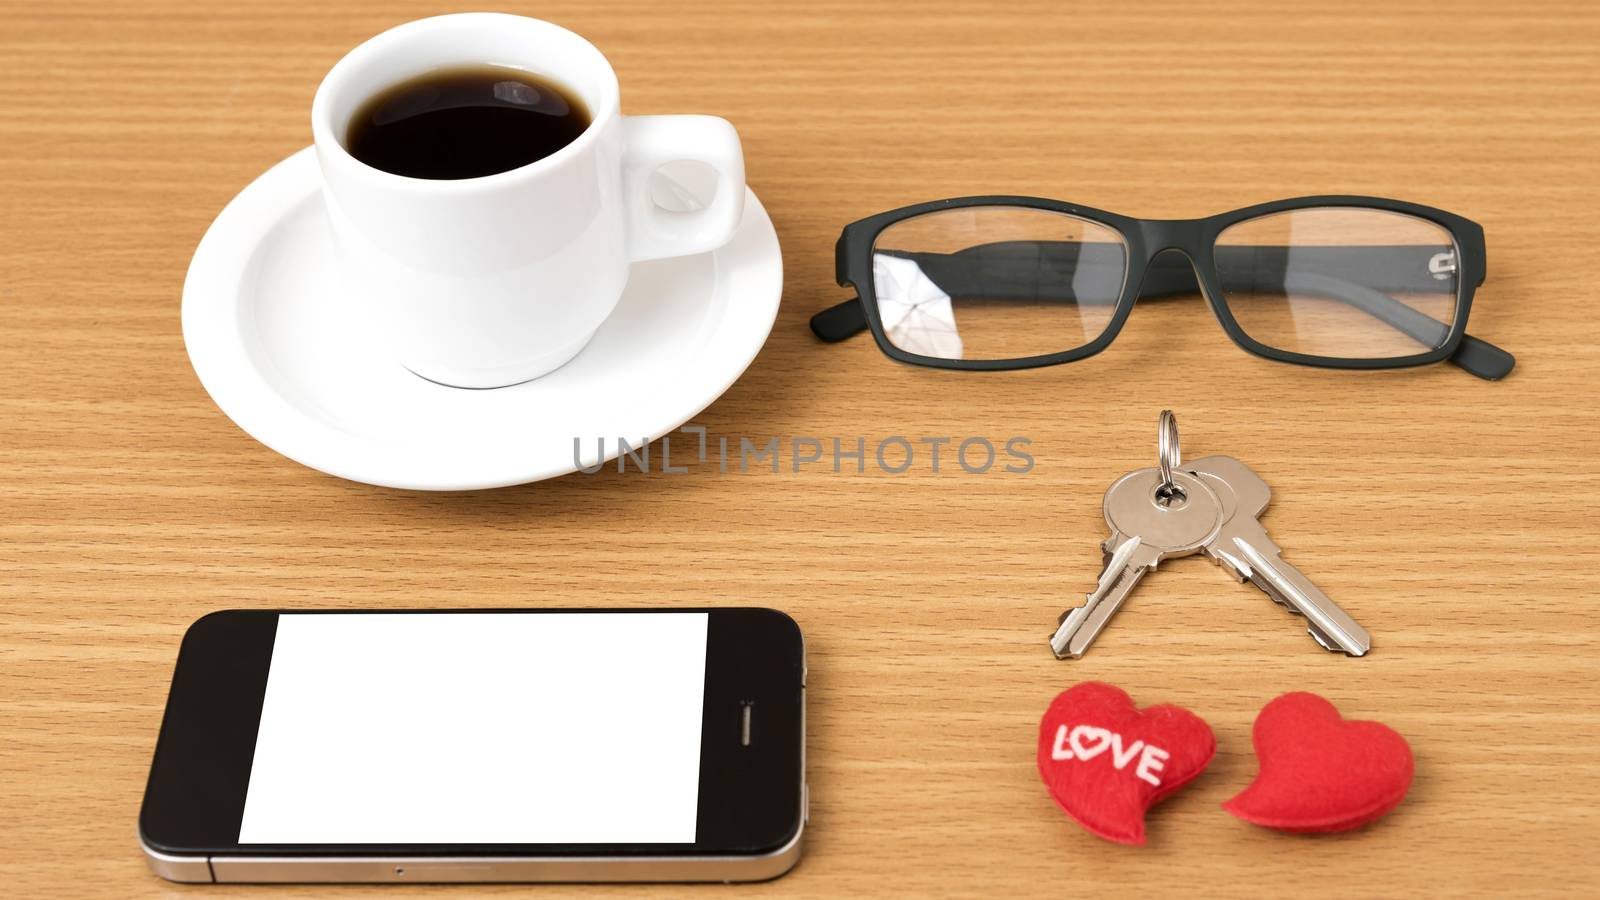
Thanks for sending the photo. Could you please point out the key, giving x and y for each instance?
(1242, 546)
(1148, 525)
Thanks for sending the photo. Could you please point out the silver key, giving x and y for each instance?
(1241, 545)
(1148, 525)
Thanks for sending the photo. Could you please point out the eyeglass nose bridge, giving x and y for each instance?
(1162, 235)
(1171, 265)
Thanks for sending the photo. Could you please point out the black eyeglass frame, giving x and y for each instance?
(1147, 239)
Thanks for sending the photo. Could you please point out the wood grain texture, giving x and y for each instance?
(1453, 517)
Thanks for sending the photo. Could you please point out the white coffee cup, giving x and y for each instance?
(491, 281)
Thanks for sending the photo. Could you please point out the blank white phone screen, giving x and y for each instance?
(480, 728)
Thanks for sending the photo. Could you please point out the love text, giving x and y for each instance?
(1085, 742)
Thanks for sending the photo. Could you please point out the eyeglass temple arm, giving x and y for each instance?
(982, 270)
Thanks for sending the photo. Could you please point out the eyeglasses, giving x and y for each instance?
(1016, 282)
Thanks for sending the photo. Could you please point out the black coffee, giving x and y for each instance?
(465, 123)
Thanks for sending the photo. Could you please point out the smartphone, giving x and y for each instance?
(481, 745)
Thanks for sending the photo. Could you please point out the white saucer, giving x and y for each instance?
(280, 352)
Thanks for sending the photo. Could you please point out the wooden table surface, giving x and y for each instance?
(1454, 517)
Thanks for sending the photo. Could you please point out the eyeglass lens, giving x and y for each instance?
(996, 282)
(1343, 283)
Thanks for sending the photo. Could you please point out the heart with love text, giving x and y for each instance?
(1106, 761)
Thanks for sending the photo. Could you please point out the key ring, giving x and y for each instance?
(1168, 456)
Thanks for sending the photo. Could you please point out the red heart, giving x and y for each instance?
(1105, 761)
(1319, 772)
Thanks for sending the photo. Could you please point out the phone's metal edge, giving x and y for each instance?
(182, 869)
(437, 869)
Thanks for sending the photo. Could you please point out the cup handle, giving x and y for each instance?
(654, 141)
